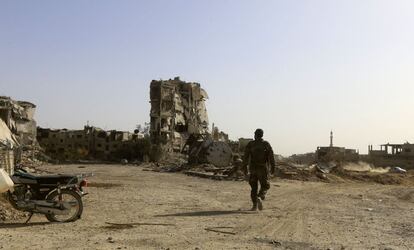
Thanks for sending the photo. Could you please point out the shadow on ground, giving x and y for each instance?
(207, 213)
(18, 225)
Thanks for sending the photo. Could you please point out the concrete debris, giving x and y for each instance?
(7, 212)
(324, 167)
(206, 150)
(398, 170)
(207, 175)
(331, 172)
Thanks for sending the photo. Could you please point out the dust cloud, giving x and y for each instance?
(364, 167)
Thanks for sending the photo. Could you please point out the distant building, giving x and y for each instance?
(406, 149)
(89, 143)
(392, 155)
(333, 153)
(218, 135)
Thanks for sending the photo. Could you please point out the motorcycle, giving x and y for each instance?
(58, 197)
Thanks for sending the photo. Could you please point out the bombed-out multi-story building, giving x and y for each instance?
(177, 111)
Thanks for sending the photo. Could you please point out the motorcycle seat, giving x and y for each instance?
(50, 179)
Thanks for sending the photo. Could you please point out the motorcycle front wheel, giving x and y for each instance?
(75, 209)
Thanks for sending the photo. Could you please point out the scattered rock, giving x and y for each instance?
(275, 243)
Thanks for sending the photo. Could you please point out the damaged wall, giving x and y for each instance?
(177, 110)
(19, 118)
(17, 129)
(8, 143)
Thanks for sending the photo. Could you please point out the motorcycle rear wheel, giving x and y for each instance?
(74, 199)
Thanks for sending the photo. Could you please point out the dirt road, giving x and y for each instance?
(174, 211)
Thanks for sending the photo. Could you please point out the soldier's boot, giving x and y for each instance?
(254, 207)
(262, 196)
(259, 203)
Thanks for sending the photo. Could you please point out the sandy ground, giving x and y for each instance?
(175, 210)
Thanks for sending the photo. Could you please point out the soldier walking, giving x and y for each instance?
(258, 155)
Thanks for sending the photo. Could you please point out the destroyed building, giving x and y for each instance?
(17, 131)
(395, 155)
(338, 154)
(177, 111)
(89, 143)
(179, 119)
(19, 118)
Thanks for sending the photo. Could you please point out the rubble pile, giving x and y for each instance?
(204, 170)
(33, 157)
(291, 171)
(7, 212)
(320, 172)
(385, 178)
(212, 172)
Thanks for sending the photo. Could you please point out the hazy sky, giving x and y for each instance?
(297, 69)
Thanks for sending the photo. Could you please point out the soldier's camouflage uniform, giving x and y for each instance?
(258, 155)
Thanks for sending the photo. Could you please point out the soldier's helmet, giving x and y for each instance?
(258, 133)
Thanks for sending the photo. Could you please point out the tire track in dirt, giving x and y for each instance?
(291, 221)
(287, 221)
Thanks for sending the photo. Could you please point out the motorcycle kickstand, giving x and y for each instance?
(30, 217)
